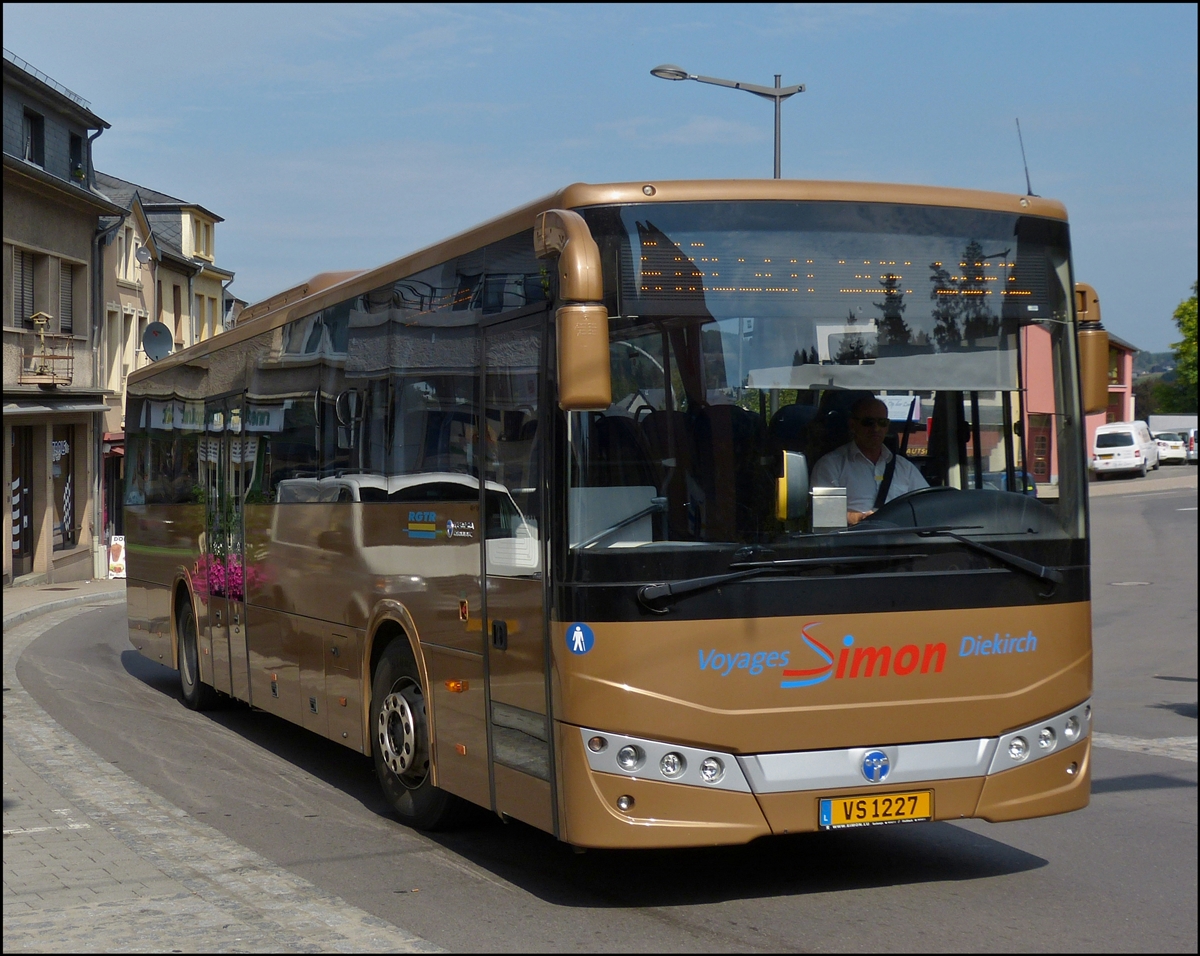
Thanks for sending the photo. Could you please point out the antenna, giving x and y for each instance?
(157, 341)
(1028, 188)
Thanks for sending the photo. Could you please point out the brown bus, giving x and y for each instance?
(572, 517)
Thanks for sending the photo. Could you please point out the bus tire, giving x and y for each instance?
(400, 743)
(197, 695)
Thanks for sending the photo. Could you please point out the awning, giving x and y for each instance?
(43, 408)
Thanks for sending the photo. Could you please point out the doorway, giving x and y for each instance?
(21, 479)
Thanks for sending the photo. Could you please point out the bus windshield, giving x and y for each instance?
(743, 330)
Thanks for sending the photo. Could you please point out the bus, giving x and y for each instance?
(540, 518)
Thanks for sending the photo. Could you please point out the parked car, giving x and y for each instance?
(1171, 447)
(1123, 447)
(998, 481)
(1190, 434)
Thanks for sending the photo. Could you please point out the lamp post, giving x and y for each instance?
(669, 71)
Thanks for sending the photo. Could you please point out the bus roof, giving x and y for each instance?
(319, 292)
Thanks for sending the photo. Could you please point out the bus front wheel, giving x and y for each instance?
(196, 694)
(400, 743)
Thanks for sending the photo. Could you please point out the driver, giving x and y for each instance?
(859, 465)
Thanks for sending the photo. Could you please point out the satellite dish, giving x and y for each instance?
(143, 255)
(157, 341)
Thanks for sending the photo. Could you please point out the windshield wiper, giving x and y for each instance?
(889, 529)
(650, 593)
(1051, 576)
(656, 505)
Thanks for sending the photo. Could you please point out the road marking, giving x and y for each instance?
(1180, 748)
(21, 831)
(1178, 493)
(1192, 508)
(69, 825)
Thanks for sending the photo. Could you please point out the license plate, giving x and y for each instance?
(1106, 457)
(876, 809)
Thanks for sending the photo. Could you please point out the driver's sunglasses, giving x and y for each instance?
(874, 422)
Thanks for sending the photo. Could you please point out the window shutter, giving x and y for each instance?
(66, 298)
(24, 286)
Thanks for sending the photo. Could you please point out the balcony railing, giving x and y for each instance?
(49, 359)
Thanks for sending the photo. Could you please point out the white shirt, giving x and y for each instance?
(847, 467)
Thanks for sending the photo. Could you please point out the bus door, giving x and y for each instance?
(228, 460)
(514, 594)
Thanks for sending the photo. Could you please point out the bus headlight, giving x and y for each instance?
(1018, 749)
(1047, 738)
(711, 770)
(629, 757)
(672, 764)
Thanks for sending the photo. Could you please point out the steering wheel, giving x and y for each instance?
(929, 489)
(883, 510)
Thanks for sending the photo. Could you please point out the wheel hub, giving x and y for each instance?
(400, 733)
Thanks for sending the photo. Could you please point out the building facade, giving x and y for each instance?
(53, 388)
(1121, 405)
(159, 265)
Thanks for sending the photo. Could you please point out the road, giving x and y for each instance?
(1120, 875)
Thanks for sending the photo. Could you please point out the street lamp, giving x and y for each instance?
(669, 71)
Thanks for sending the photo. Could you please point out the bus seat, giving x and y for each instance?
(669, 435)
(621, 457)
(830, 428)
(788, 429)
(731, 443)
(673, 448)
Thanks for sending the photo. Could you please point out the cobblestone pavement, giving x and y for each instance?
(95, 862)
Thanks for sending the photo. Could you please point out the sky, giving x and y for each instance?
(337, 137)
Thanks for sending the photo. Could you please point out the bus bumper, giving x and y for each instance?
(660, 814)
(1010, 777)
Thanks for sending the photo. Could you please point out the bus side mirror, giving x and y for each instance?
(1093, 349)
(791, 488)
(584, 373)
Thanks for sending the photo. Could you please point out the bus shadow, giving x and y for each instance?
(797, 864)
(794, 865)
(341, 768)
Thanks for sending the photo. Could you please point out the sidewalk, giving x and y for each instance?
(1141, 486)
(95, 862)
(20, 604)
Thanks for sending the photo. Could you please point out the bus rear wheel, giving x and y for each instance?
(400, 743)
(197, 695)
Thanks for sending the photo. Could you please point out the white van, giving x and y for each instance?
(1123, 447)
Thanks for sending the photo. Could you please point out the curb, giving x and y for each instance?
(101, 597)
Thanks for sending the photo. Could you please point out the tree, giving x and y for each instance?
(853, 350)
(978, 320)
(945, 310)
(1180, 396)
(893, 330)
(1146, 392)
